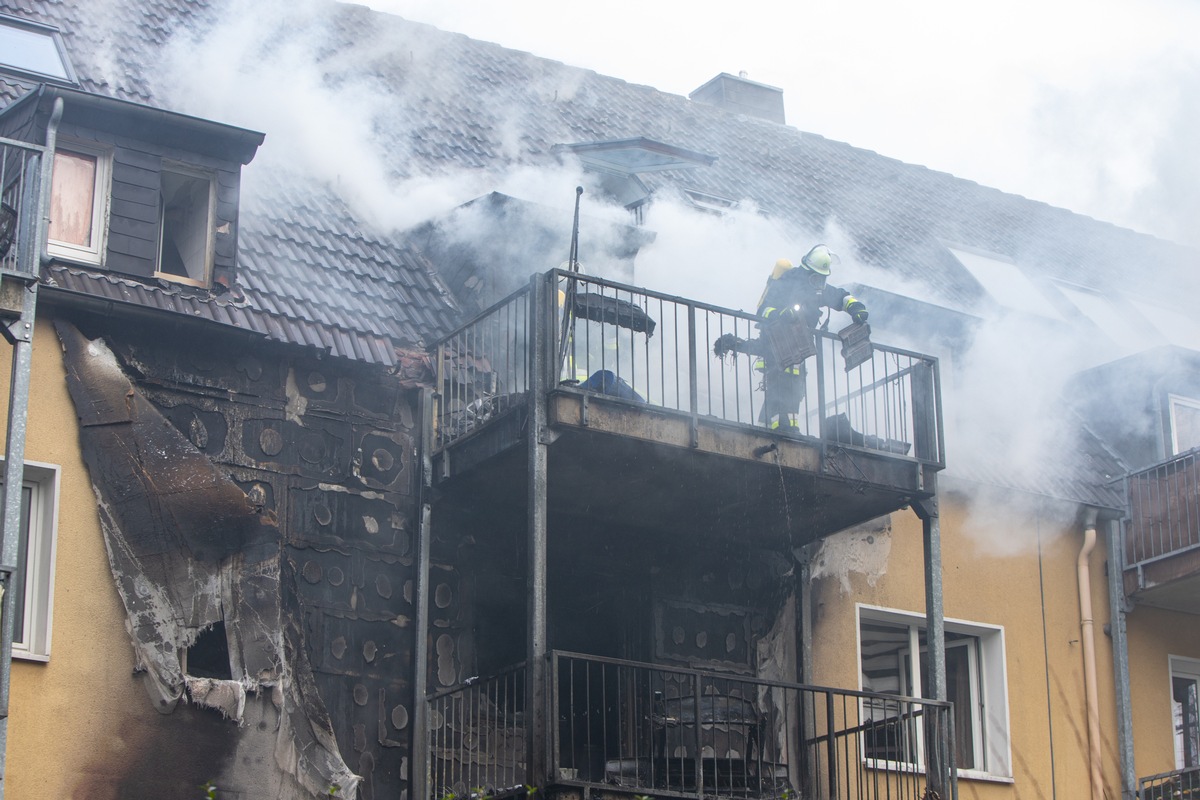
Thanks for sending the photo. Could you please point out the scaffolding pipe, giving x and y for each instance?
(1120, 642)
(34, 214)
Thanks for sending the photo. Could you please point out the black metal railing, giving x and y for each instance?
(650, 729)
(477, 737)
(645, 347)
(20, 204)
(1181, 784)
(1164, 510)
(483, 368)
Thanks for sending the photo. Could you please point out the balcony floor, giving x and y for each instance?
(630, 465)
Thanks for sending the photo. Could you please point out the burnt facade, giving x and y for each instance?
(266, 496)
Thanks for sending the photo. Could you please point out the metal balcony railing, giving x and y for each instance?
(649, 729)
(20, 205)
(477, 737)
(1181, 784)
(648, 348)
(1164, 510)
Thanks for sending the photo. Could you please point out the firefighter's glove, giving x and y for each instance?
(857, 311)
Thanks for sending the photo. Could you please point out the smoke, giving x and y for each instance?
(296, 71)
(280, 67)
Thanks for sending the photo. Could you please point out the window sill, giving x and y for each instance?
(963, 774)
(25, 655)
(180, 279)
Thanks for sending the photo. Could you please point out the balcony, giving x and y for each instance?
(629, 728)
(1162, 538)
(1181, 784)
(631, 380)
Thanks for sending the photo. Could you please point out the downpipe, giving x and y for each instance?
(1088, 637)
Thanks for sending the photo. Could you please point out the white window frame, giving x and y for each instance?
(43, 481)
(101, 197)
(987, 661)
(1174, 400)
(1180, 667)
(190, 171)
(47, 33)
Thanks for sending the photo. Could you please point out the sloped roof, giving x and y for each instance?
(312, 274)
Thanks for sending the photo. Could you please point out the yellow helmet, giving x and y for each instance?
(819, 260)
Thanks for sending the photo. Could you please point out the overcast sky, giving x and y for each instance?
(1093, 105)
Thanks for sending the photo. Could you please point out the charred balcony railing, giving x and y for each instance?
(1164, 510)
(20, 204)
(644, 347)
(477, 737)
(663, 731)
(1181, 784)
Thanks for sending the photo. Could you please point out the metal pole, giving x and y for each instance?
(34, 212)
(1117, 605)
(419, 767)
(935, 633)
(536, 649)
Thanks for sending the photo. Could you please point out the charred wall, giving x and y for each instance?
(267, 493)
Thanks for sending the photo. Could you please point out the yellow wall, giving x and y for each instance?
(993, 574)
(1154, 635)
(71, 729)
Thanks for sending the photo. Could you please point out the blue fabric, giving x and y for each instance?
(605, 382)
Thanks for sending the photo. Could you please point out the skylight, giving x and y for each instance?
(28, 48)
(633, 156)
(1116, 323)
(1006, 283)
(1178, 328)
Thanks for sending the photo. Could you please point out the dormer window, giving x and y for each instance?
(186, 202)
(141, 192)
(78, 201)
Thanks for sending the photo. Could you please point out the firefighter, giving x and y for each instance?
(796, 297)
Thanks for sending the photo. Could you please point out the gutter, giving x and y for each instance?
(1088, 637)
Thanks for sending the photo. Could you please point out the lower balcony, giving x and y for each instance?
(636, 729)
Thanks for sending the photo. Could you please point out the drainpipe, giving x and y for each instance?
(1088, 637)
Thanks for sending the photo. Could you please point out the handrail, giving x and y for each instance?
(661, 350)
(1164, 510)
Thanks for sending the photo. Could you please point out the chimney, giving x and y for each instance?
(742, 96)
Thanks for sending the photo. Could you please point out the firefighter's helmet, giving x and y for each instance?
(819, 260)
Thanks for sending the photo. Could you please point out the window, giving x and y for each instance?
(79, 202)
(1185, 711)
(1185, 423)
(1005, 283)
(34, 50)
(34, 586)
(186, 200)
(893, 660)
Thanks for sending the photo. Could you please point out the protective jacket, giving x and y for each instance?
(793, 288)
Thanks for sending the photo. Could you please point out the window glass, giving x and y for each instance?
(1006, 283)
(73, 198)
(894, 659)
(33, 585)
(19, 579)
(1185, 712)
(31, 49)
(78, 202)
(1185, 424)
